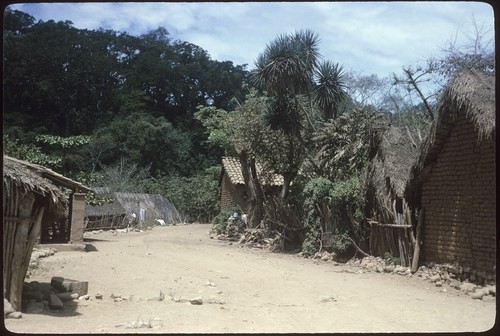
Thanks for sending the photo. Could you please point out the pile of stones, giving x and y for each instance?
(38, 297)
(261, 238)
(459, 278)
(234, 229)
(36, 254)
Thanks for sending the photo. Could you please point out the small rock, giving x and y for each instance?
(15, 315)
(98, 296)
(379, 269)
(118, 299)
(455, 284)
(55, 302)
(492, 290)
(84, 297)
(467, 287)
(439, 284)
(67, 296)
(389, 269)
(330, 298)
(478, 295)
(488, 298)
(434, 278)
(196, 301)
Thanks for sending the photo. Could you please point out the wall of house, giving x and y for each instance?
(459, 198)
(232, 195)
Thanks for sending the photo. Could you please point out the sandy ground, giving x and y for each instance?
(243, 290)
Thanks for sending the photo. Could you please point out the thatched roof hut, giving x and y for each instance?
(393, 151)
(453, 178)
(28, 198)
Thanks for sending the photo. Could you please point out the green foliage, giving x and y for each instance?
(63, 142)
(29, 152)
(391, 260)
(343, 144)
(340, 242)
(340, 202)
(195, 197)
(218, 126)
(219, 222)
(91, 198)
(316, 192)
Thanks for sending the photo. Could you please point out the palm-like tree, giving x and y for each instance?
(299, 85)
(289, 68)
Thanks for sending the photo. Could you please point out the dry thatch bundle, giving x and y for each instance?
(29, 178)
(393, 152)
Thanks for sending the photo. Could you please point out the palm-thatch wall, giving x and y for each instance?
(28, 198)
(454, 177)
(393, 151)
(117, 213)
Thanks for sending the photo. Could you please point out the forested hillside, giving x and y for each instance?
(95, 103)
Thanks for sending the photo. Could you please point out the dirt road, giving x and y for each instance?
(242, 290)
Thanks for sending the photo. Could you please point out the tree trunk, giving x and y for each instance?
(416, 248)
(254, 190)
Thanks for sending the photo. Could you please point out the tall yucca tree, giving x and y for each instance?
(287, 64)
(289, 68)
(298, 85)
(329, 89)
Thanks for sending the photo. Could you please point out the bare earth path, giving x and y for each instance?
(243, 290)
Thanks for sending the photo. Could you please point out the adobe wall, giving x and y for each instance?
(460, 203)
(231, 195)
(77, 218)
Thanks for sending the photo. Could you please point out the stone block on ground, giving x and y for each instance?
(67, 285)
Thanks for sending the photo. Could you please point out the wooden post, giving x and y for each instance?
(416, 250)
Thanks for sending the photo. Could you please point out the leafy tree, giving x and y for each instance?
(147, 141)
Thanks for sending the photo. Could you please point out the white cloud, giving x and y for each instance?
(378, 37)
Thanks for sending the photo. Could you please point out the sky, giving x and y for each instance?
(367, 37)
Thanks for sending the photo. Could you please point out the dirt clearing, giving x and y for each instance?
(240, 290)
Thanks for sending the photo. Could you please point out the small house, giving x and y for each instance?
(232, 184)
(32, 203)
(453, 182)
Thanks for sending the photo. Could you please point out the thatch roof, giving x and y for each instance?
(393, 153)
(232, 167)
(470, 94)
(156, 206)
(33, 178)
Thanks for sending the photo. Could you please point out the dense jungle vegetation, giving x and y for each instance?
(154, 114)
